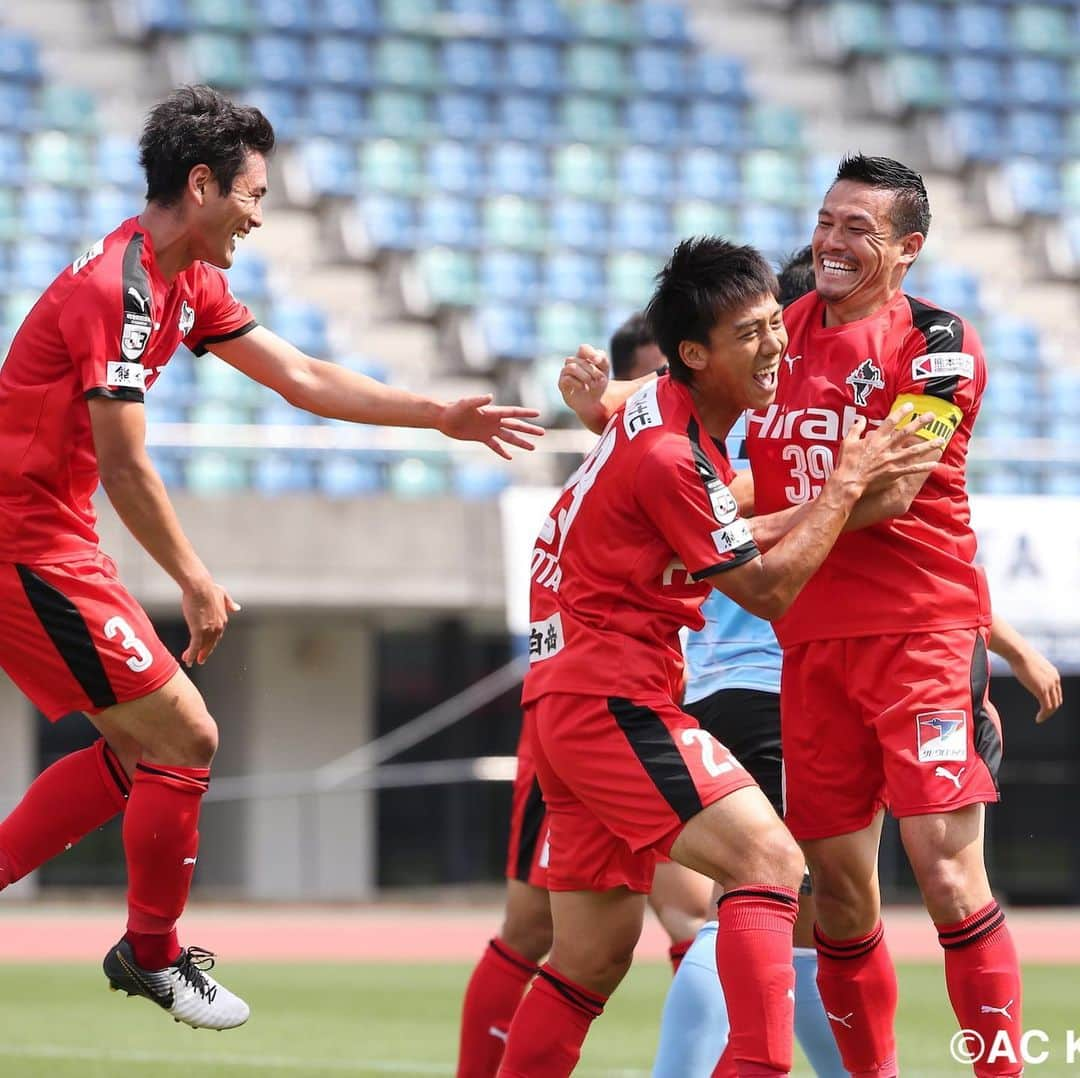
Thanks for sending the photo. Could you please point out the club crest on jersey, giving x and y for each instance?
(864, 379)
(942, 735)
(187, 319)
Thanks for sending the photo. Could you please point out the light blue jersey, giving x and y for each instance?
(735, 650)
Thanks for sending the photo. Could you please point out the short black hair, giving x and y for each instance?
(195, 125)
(796, 275)
(911, 205)
(705, 278)
(633, 334)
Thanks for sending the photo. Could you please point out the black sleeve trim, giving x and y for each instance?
(743, 554)
(125, 393)
(202, 347)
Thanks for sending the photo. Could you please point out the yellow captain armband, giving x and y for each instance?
(946, 419)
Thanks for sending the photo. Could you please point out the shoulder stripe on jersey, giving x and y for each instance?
(203, 346)
(942, 331)
(138, 320)
(654, 746)
(705, 468)
(124, 393)
(60, 618)
(986, 736)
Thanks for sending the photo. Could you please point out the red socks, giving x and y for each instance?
(76, 795)
(677, 952)
(858, 988)
(161, 841)
(754, 960)
(549, 1028)
(494, 992)
(983, 977)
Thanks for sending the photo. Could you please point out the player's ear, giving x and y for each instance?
(910, 246)
(693, 354)
(198, 180)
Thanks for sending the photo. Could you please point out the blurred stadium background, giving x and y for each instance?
(464, 191)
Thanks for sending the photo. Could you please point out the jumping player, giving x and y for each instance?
(71, 637)
(626, 774)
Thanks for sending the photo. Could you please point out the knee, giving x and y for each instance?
(600, 969)
(529, 935)
(196, 740)
(845, 906)
(772, 857)
(950, 895)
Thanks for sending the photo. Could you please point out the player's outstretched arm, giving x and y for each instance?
(588, 390)
(139, 497)
(1032, 669)
(329, 390)
(767, 585)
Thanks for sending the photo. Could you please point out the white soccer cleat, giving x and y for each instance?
(185, 989)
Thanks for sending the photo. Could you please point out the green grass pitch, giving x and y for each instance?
(328, 1021)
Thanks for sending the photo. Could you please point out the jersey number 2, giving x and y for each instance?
(117, 626)
(707, 744)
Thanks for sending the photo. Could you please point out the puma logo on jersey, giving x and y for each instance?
(142, 303)
(946, 327)
(502, 1034)
(791, 360)
(945, 773)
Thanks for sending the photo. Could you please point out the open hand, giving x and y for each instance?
(476, 419)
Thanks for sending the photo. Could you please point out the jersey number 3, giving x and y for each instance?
(810, 467)
(117, 626)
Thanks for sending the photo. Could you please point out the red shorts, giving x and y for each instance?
(73, 639)
(896, 721)
(620, 780)
(527, 851)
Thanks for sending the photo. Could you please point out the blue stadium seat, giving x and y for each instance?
(508, 331)
(216, 472)
(360, 17)
(542, 19)
(953, 287)
(162, 16)
(470, 65)
(281, 60)
(653, 121)
(719, 76)
(518, 168)
(335, 114)
(511, 277)
(716, 123)
(1010, 339)
(341, 61)
(274, 411)
(285, 16)
(285, 107)
(12, 159)
(19, 58)
(640, 226)
(302, 324)
(248, 277)
(462, 115)
(977, 80)
(348, 475)
(169, 464)
(710, 175)
(389, 221)
(455, 167)
(406, 62)
(526, 116)
(574, 277)
(979, 28)
(106, 207)
(561, 327)
(1034, 186)
(486, 13)
(663, 23)
(1038, 81)
(17, 109)
(977, 134)
(576, 223)
(919, 26)
(656, 70)
(773, 230)
(642, 172)
(449, 221)
(282, 472)
(410, 16)
(330, 165)
(477, 482)
(533, 65)
(53, 213)
(1035, 132)
(417, 477)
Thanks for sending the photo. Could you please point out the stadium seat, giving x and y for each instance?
(533, 66)
(656, 70)
(1038, 81)
(582, 170)
(485, 13)
(508, 331)
(282, 472)
(1033, 187)
(360, 17)
(654, 121)
(540, 19)
(397, 113)
(477, 482)
(919, 27)
(68, 109)
(58, 158)
(773, 176)
(220, 60)
(511, 277)
(12, 160)
(514, 222)
(287, 108)
(588, 118)
(630, 278)
(1035, 132)
(281, 60)
(916, 82)
(169, 464)
(335, 114)
(708, 174)
(603, 20)
(525, 116)
(285, 16)
(347, 475)
(775, 126)
(215, 472)
(844, 27)
(161, 16)
(248, 278)
(342, 62)
(448, 221)
(462, 115)
(517, 168)
(663, 23)
(18, 111)
(410, 63)
(979, 28)
(715, 123)
(390, 166)
(233, 17)
(470, 65)
(1042, 29)
(638, 225)
(19, 58)
(455, 167)
(975, 134)
(302, 324)
(977, 80)
(579, 224)
(418, 477)
(771, 229)
(52, 213)
(408, 15)
(106, 207)
(718, 76)
(574, 278)
(642, 172)
(561, 327)
(449, 278)
(594, 69)
(222, 394)
(694, 217)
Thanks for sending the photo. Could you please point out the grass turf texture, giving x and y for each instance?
(328, 1021)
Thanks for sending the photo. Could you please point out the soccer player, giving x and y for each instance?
(71, 637)
(626, 774)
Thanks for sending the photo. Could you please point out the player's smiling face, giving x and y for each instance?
(859, 261)
(223, 219)
(738, 369)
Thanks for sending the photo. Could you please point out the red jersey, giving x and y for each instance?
(620, 564)
(914, 573)
(105, 327)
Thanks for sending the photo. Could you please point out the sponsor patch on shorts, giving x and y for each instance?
(942, 735)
